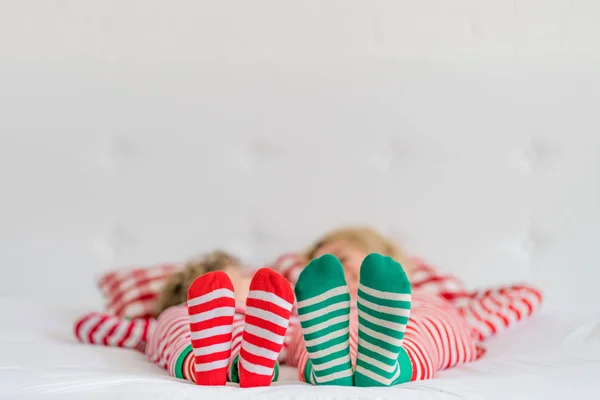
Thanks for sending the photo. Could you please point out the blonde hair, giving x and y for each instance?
(366, 239)
(174, 290)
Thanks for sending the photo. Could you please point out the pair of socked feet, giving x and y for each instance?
(383, 305)
(324, 304)
(211, 309)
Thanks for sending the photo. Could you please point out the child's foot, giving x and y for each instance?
(384, 296)
(268, 309)
(211, 306)
(324, 314)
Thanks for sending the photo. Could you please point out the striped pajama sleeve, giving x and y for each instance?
(487, 311)
(108, 330)
(491, 311)
(165, 341)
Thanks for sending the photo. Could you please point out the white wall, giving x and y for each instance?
(137, 132)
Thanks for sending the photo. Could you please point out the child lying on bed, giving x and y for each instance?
(364, 320)
(203, 313)
(368, 320)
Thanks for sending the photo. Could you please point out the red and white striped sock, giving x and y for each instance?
(108, 330)
(236, 342)
(211, 306)
(268, 310)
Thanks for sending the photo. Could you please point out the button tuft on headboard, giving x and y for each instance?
(254, 152)
(379, 162)
(398, 148)
(528, 244)
(123, 148)
(103, 249)
(536, 152)
(120, 152)
(122, 238)
(259, 234)
(110, 246)
(531, 155)
(530, 241)
(261, 148)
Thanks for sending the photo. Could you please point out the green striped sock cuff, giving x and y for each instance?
(179, 363)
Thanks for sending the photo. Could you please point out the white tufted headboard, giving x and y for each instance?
(132, 132)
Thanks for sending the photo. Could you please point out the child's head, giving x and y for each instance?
(174, 291)
(351, 245)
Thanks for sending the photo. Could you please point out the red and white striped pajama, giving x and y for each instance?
(446, 326)
(221, 339)
(447, 323)
(211, 339)
(108, 330)
(166, 341)
(487, 311)
(436, 338)
(170, 345)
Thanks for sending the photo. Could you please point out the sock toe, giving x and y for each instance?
(327, 270)
(268, 310)
(324, 313)
(211, 308)
(384, 273)
(269, 280)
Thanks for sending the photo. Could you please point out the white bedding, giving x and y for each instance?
(555, 355)
(139, 132)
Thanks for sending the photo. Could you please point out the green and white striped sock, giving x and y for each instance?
(324, 314)
(234, 372)
(384, 296)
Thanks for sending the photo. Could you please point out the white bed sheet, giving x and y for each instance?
(555, 355)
